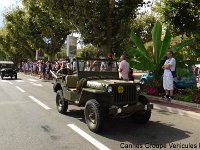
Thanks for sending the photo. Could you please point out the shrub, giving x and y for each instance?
(197, 98)
(188, 95)
(150, 90)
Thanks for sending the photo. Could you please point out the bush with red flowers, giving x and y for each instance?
(150, 90)
(197, 98)
(187, 95)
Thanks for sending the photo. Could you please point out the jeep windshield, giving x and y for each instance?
(6, 64)
(100, 68)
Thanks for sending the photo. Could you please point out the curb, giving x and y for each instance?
(182, 103)
(176, 107)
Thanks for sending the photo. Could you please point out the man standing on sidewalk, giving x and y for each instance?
(169, 71)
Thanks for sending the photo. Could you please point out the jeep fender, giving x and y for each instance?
(98, 95)
(57, 87)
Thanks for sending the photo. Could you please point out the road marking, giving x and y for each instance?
(20, 89)
(88, 137)
(39, 102)
(33, 80)
(36, 84)
(6, 81)
(19, 81)
(10, 82)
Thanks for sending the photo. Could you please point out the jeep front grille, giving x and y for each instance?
(127, 95)
(9, 72)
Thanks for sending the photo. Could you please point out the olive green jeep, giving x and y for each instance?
(95, 84)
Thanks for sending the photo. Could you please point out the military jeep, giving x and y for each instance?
(7, 69)
(95, 84)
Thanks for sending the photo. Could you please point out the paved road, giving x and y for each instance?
(29, 121)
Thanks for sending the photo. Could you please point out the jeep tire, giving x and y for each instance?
(94, 115)
(61, 103)
(142, 116)
(15, 77)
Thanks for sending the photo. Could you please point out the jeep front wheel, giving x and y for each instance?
(61, 103)
(94, 115)
(144, 115)
(2, 77)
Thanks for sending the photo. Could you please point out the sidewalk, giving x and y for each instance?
(178, 107)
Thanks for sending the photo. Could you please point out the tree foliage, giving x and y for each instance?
(181, 16)
(49, 31)
(103, 23)
(143, 25)
(89, 49)
(15, 41)
(44, 25)
(190, 52)
(33, 28)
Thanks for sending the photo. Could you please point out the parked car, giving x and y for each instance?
(179, 82)
(96, 86)
(8, 69)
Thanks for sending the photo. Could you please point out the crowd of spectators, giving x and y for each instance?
(42, 68)
(196, 72)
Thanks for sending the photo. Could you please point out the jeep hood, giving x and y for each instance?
(6, 69)
(101, 84)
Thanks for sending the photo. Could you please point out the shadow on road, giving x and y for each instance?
(125, 130)
(78, 114)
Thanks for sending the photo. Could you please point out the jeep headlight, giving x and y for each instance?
(109, 89)
(138, 88)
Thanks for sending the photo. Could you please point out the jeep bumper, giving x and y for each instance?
(129, 109)
(8, 74)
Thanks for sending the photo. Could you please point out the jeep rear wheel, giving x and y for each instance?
(94, 115)
(61, 103)
(144, 115)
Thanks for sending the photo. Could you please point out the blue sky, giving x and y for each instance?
(5, 6)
